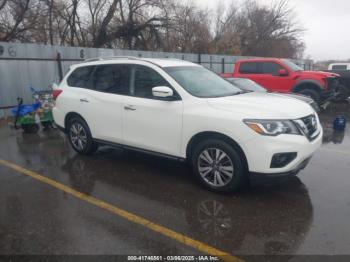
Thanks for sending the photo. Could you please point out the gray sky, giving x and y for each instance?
(326, 22)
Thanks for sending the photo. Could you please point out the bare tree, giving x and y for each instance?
(168, 25)
(2, 4)
(188, 29)
(50, 10)
(264, 28)
(96, 8)
(138, 22)
(226, 39)
(72, 21)
(13, 14)
(102, 38)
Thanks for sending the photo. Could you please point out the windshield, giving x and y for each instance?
(292, 66)
(201, 82)
(246, 85)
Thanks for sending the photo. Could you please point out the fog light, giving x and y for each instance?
(282, 159)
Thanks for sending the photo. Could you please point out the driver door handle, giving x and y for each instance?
(84, 100)
(129, 107)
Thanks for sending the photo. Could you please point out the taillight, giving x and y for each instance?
(56, 93)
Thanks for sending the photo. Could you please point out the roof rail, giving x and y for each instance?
(168, 58)
(127, 57)
(109, 58)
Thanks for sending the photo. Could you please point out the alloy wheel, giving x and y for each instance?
(215, 167)
(78, 136)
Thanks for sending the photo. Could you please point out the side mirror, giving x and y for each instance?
(162, 92)
(282, 72)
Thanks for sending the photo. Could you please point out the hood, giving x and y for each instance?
(296, 96)
(262, 105)
(320, 74)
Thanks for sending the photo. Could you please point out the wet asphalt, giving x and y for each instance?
(303, 215)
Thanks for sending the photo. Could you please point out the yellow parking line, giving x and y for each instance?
(125, 214)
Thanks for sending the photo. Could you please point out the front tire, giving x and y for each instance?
(218, 166)
(79, 136)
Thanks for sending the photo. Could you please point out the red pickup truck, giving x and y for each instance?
(282, 75)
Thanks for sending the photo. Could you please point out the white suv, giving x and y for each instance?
(179, 109)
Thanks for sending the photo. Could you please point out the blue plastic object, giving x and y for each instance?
(25, 109)
(339, 123)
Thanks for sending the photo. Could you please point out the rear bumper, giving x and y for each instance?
(58, 116)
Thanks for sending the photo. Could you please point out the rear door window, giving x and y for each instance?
(114, 79)
(249, 68)
(81, 77)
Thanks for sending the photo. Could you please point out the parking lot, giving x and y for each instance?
(123, 202)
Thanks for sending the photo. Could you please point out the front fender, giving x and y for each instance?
(305, 82)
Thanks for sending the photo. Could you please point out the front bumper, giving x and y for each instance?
(330, 92)
(259, 152)
(332, 82)
(293, 172)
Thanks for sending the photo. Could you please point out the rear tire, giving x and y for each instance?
(218, 166)
(79, 136)
(315, 95)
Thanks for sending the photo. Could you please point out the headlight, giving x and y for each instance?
(272, 127)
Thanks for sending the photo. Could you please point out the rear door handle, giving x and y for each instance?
(84, 100)
(129, 107)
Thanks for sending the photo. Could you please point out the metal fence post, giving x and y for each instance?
(59, 64)
(199, 59)
(211, 62)
(223, 65)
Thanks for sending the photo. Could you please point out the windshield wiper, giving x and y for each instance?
(232, 94)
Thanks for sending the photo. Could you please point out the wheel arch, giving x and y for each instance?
(69, 116)
(214, 135)
(307, 83)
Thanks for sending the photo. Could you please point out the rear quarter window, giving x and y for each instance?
(80, 77)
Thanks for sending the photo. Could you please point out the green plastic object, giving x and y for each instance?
(29, 119)
(30, 122)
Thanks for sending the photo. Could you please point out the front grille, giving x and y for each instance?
(311, 123)
(308, 125)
